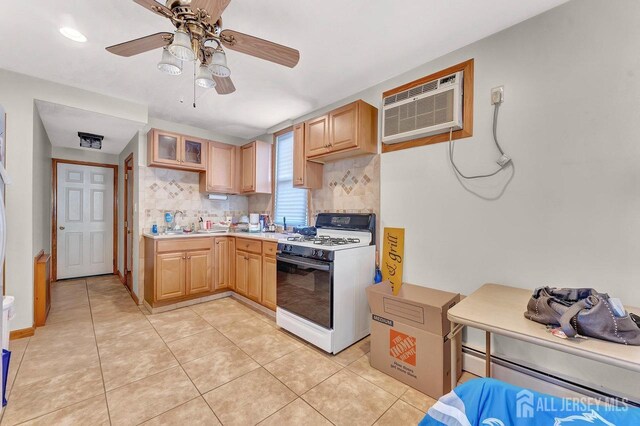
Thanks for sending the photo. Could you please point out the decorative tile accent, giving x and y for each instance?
(166, 190)
(350, 186)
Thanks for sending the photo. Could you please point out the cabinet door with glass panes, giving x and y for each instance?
(194, 153)
(164, 148)
(171, 150)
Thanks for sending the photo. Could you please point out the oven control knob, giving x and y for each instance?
(319, 253)
(287, 247)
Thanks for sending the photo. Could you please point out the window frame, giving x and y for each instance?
(274, 176)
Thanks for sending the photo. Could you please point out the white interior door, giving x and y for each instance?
(85, 220)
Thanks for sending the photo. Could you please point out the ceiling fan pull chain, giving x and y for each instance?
(194, 84)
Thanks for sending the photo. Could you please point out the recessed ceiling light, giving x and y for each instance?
(72, 34)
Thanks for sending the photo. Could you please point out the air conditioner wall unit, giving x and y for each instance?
(423, 110)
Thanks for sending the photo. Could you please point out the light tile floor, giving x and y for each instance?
(102, 360)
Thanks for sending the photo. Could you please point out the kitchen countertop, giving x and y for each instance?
(268, 236)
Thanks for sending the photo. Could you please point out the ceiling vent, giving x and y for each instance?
(423, 110)
(89, 140)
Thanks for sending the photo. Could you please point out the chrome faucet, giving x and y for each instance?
(175, 218)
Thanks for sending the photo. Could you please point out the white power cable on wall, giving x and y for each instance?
(504, 160)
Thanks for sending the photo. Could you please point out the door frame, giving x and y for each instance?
(54, 211)
(125, 202)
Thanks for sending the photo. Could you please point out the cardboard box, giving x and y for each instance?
(408, 336)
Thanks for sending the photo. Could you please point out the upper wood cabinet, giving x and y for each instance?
(220, 175)
(306, 174)
(194, 153)
(316, 136)
(348, 131)
(172, 150)
(343, 127)
(256, 168)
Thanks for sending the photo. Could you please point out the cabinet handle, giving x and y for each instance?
(184, 257)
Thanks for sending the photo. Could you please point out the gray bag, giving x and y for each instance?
(581, 311)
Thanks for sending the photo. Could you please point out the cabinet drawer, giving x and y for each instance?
(252, 246)
(269, 248)
(185, 244)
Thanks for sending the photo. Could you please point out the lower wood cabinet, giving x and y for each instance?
(183, 269)
(224, 264)
(198, 271)
(269, 277)
(254, 277)
(249, 275)
(177, 270)
(170, 275)
(242, 283)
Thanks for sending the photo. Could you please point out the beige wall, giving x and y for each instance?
(41, 195)
(17, 95)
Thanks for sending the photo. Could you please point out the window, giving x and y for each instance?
(290, 202)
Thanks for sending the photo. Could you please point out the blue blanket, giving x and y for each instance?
(489, 402)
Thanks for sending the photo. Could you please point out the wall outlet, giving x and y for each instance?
(497, 95)
(503, 160)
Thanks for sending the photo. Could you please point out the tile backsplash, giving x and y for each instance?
(171, 190)
(349, 186)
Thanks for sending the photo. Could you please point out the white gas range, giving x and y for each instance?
(322, 280)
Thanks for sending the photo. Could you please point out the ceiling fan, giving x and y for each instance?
(199, 37)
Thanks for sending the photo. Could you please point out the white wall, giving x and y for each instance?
(41, 195)
(17, 94)
(83, 155)
(568, 214)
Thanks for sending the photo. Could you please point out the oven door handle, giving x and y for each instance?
(298, 262)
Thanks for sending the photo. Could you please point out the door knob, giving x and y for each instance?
(62, 228)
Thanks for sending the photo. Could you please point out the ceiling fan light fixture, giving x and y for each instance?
(218, 66)
(203, 78)
(180, 47)
(169, 64)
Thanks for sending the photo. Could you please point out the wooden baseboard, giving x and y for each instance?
(124, 283)
(22, 333)
(134, 297)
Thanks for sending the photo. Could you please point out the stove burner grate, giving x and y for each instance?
(325, 240)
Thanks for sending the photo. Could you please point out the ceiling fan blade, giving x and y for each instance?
(213, 7)
(224, 85)
(260, 48)
(140, 45)
(155, 7)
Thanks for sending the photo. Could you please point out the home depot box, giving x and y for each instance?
(408, 336)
